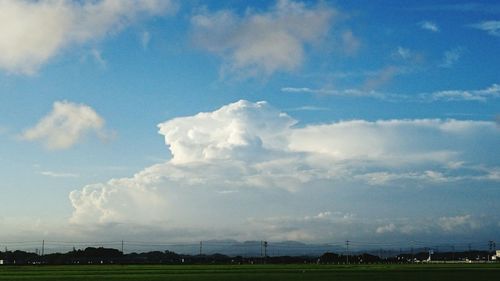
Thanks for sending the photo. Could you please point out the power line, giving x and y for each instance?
(252, 247)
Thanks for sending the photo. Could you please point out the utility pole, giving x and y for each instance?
(122, 248)
(347, 250)
(201, 247)
(491, 245)
(265, 250)
(412, 255)
(43, 247)
(470, 251)
(494, 247)
(453, 252)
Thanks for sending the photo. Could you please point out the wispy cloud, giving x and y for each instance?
(309, 108)
(486, 8)
(145, 39)
(58, 175)
(3, 130)
(451, 57)
(403, 53)
(341, 93)
(492, 27)
(429, 25)
(383, 77)
(97, 56)
(409, 57)
(445, 224)
(350, 43)
(405, 61)
(481, 95)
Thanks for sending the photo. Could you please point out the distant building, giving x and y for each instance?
(431, 252)
(496, 256)
(1, 262)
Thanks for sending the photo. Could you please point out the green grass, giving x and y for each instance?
(439, 272)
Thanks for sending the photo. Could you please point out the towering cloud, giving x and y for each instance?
(237, 167)
(240, 130)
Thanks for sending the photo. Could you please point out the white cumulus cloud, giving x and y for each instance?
(33, 32)
(261, 43)
(234, 131)
(66, 125)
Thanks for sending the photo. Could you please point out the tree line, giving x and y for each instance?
(100, 255)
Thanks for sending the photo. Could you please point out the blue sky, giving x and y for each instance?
(313, 121)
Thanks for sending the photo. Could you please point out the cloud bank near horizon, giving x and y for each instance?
(224, 162)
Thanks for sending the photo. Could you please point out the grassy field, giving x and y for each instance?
(439, 272)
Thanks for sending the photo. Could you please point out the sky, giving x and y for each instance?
(312, 121)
